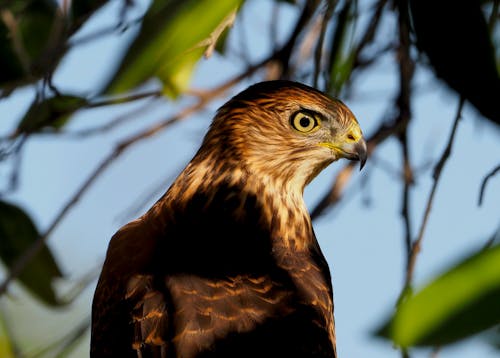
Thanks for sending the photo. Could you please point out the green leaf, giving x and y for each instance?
(340, 72)
(173, 37)
(52, 113)
(342, 53)
(12, 68)
(81, 10)
(25, 31)
(461, 302)
(17, 234)
(6, 343)
(460, 50)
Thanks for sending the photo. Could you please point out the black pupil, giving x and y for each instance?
(305, 122)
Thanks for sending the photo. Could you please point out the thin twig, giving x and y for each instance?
(212, 39)
(14, 150)
(370, 32)
(125, 99)
(407, 182)
(438, 169)
(109, 30)
(318, 51)
(284, 55)
(403, 103)
(485, 181)
(115, 122)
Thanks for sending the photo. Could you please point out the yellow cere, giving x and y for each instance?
(355, 132)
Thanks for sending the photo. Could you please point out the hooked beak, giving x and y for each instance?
(356, 151)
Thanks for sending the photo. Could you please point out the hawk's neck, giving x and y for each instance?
(251, 198)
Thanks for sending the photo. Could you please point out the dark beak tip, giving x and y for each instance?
(362, 153)
(362, 162)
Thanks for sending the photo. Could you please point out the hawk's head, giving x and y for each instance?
(286, 131)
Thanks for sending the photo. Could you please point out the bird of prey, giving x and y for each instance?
(226, 262)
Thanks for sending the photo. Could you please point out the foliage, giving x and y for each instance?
(458, 303)
(169, 46)
(463, 56)
(17, 234)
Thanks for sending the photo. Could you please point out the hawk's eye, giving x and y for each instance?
(304, 122)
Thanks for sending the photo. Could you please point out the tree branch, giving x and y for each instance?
(211, 41)
(119, 120)
(485, 181)
(407, 182)
(125, 99)
(369, 34)
(284, 54)
(403, 103)
(416, 246)
(318, 51)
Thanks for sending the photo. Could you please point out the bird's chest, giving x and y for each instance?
(237, 315)
(209, 310)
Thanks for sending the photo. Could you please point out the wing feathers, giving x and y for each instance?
(149, 316)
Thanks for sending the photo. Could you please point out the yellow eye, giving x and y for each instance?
(304, 122)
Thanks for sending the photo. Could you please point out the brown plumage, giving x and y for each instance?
(226, 263)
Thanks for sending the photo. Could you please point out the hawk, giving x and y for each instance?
(226, 262)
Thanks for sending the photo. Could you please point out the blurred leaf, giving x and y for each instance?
(25, 30)
(10, 64)
(492, 337)
(52, 113)
(459, 303)
(456, 39)
(341, 58)
(82, 10)
(6, 349)
(35, 25)
(496, 341)
(17, 234)
(172, 39)
(340, 72)
(65, 345)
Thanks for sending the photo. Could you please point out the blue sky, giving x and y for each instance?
(363, 244)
